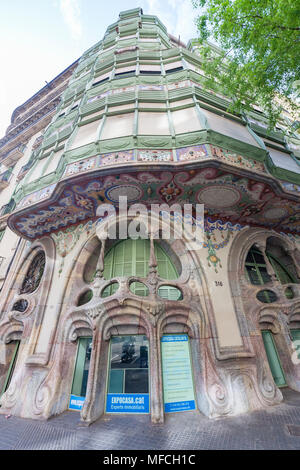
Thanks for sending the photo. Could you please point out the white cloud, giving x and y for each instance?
(70, 10)
(177, 15)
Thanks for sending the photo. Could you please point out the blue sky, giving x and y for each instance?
(40, 38)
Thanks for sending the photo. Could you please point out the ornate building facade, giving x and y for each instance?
(145, 325)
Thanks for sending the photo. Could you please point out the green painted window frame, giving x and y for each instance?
(281, 272)
(131, 258)
(275, 263)
(11, 368)
(256, 266)
(273, 358)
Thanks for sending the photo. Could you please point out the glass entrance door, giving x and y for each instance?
(11, 368)
(273, 358)
(128, 375)
(81, 373)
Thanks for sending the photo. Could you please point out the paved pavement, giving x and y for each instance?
(278, 427)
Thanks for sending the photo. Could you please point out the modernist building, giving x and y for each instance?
(145, 325)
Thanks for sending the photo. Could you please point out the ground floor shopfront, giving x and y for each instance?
(148, 327)
(129, 374)
(128, 384)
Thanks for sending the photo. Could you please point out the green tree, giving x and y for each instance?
(257, 61)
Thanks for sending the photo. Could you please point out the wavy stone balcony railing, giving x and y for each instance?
(121, 287)
(272, 296)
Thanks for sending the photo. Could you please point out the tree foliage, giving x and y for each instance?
(257, 61)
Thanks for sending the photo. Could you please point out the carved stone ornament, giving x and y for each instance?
(95, 312)
(153, 279)
(155, 309)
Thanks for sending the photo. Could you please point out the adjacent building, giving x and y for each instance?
(145, 324)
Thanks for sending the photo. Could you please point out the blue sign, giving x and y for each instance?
(180, 406)
(127, 403)
(172, 338)
(76, 403)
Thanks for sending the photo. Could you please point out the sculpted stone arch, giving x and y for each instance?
(192, 279)
(118, 314)
(53, 393)
(125, 312)
(294, 316)
(23, 315)
(243, 292)
(268, 320)
(256, 316)
(113, 319)
(15, 291)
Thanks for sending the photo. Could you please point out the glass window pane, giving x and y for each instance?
(116, 380)
(136, 381)
(129, 352)
(258, 257)
(82, 367)
(253, 275)
(281, 273)
(266, 296)
(249, 258)
(264, 274)
(273, 359)
(128, 386)
(11, 368)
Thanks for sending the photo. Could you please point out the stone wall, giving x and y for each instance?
(219, 311)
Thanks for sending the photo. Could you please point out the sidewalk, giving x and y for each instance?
(277, 427)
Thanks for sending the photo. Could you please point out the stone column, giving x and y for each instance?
(100, 263)
(94, 403)
(156, 389)
(270, 270)
(152, 259)
(152, 274)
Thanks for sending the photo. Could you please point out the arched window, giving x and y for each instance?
(131, 258)
(34, 274)
(256, 268)
(256, 272)
(282, 273)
